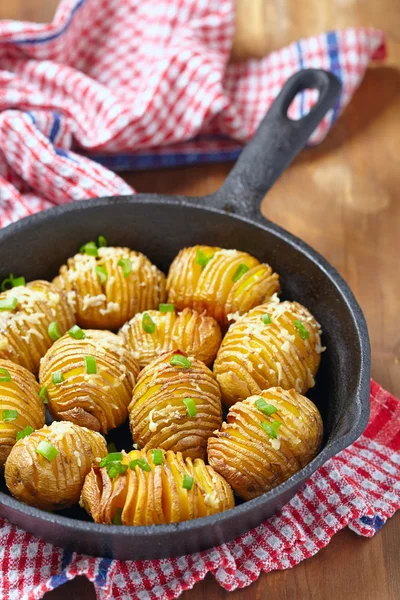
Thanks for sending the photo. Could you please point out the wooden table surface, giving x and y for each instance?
(343, 199)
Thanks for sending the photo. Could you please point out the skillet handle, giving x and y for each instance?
(275, 144)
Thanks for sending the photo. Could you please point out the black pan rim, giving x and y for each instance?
(331, 448)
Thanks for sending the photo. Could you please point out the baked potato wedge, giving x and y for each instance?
(154, 487)
(176, 405)
(26, 312)
(266, 439)
(89, 381)
(47, 468)
(225, 283)
(107, 289)
(20, 405)
(275, 344)
(154, 332)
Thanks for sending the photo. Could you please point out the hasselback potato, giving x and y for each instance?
(107, 289)
(154, 487)
(225, 283)
(26, 312)
(47, 468)
(20, 405)
(176, 405)
(152, 333)
(89, 381)
(274, 344)
(266, 439)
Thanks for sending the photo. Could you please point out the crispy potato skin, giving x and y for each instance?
(197, 334)
(20, 394)
(109, 305)
(56, 484)
(250, 459)
(99, 401)
(254, 356)
(157, 415)
(156, 497)
(212, 288)
(24, 338)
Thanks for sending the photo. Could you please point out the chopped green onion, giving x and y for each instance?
(202, 259)
(180, 361)
(116, 468)
(18, 281)
(140, 462)
(271, 428)
(90, 365)
(148, 324)
(117, 520)
(111, 457)
(190, 406)
(102, 274)
(9, 415)
(126, 265)
(101, 241)
(77, 333)
(157, 457)
(187, 482)
(166, 307)
(43, 394)
(111, 447)
(301, 329)
(11, 282)
(8, 303)
(5, 376)
(89, 248)
(54, 331)
(264, 407)
(240, 271)
(266, 319)
(58, 377)
(25, 432)
(47, 450)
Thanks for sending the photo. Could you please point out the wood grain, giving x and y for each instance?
(342, 198)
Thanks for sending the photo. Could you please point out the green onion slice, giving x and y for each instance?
(148, 324)
(157, 457)
(102, 274)
(126, 265)
(202, 259)
(240, 271)
(5, 376)
(271, 428)
(180, 361)
(187, 482)
(43, 394)
(90, 365)
(54, 331)
(140, 462)
(110, 458)
(58, 377)
(266, 319)
(89, 248)
(19, 281)
(77, 333)
(47, 450)
(116, 468)
(264, 407)
(8, 303)
(117, 520)
(190, 406)
(166, 307)
(11, 282)
(301, 329)
(101, 241)
(9, 415)
(25, 432)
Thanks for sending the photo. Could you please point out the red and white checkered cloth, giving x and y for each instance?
(360, 487)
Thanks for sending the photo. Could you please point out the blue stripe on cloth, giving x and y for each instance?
(54, 35)
(101, 577)
(55, 128)
(31, 116)
(376, 522)
(64, 153)
(333, 51)
(61, 578)
(301, 64)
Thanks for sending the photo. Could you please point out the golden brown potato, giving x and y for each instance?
(165, 397)
(105, 292)
(146, 492)
(225, 283)
(89, 381)
(24, 336)
(20, 405)
(152, 333)
(266, 440)
(47, 468)
(274, 344)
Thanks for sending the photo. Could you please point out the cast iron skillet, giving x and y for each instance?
(159, 226)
